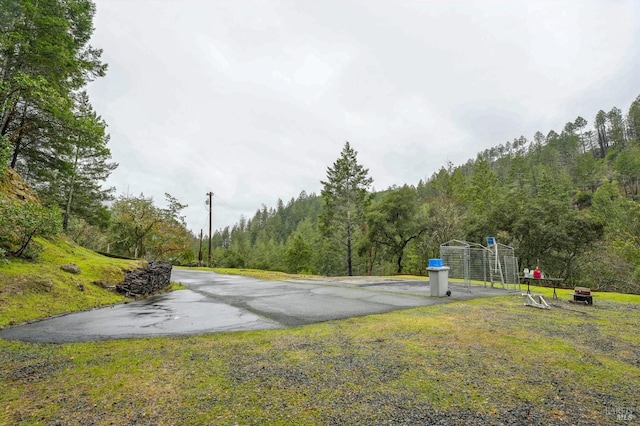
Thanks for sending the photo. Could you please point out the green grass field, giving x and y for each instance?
(485, 361)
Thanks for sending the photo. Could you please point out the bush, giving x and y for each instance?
(21, 222)
(87, 235)
(33, 251)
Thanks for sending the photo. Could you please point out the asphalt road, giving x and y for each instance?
(215, 303)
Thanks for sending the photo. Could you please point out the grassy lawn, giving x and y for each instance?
(486, 361)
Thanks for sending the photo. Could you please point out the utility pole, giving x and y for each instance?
(210, 194)
(200, 250)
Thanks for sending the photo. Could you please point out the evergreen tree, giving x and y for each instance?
(44, 59)
(345, 197)
(601, 129)
(298, 254)
(76, 185)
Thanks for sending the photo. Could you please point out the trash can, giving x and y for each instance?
(438, 277)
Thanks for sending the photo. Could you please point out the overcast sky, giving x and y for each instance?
(253, 100)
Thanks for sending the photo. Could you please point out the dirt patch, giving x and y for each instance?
(24, 284)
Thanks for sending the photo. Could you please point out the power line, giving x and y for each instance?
(222, 202)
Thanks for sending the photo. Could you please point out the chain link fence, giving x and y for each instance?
(487, 265)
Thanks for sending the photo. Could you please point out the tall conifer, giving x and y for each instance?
(345, 197)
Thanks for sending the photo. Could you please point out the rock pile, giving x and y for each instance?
(143, 281)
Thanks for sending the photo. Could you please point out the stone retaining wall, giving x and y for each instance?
(144, 281)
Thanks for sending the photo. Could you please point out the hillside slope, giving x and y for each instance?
(37, 289)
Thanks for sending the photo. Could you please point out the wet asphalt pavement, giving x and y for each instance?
(216, 303)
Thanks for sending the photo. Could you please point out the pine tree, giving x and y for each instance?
(345, 197)
(45, 61)
(76, 185)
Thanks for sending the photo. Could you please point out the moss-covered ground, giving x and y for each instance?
(36, 289)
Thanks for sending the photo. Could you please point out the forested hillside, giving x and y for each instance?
(567, 199)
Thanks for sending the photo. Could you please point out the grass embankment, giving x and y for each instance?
(280, 276)
(33, 290)
(486, 361)
(255, 273)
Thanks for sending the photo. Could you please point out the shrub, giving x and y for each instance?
(21, 222)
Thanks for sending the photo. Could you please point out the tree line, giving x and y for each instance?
(567, 201)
